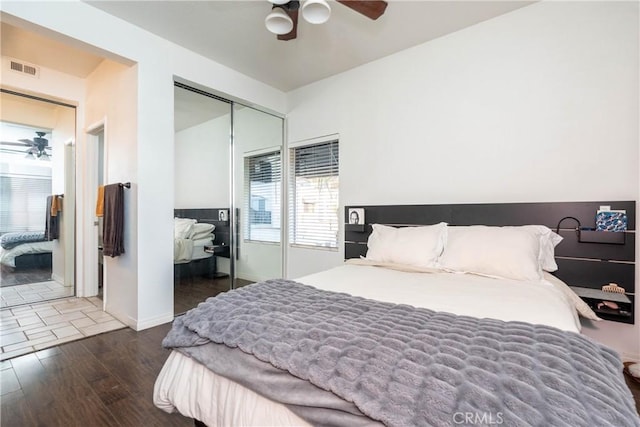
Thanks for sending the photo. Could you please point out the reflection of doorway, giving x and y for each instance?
(37, 170)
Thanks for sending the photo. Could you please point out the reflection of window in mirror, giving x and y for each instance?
(262, 197)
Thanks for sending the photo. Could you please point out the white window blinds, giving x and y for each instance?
(262, 197)
(313, 195)
(23, 202)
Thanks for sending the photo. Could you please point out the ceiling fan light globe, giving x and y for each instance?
(316, 11)
(278, 21)
(279, 2)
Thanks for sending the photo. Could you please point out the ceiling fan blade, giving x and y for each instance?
(8, 150)
(26, 141)
(372, 9)
(17, 144)
(293, 14)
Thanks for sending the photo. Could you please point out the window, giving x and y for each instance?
(25, 182)
(313, 203)
(262, 180)
(24, 201)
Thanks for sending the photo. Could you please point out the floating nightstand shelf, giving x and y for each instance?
(596, 298)
(356, 228)
(606, 237)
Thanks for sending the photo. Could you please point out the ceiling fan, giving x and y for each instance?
(37, 148)
(283, 19)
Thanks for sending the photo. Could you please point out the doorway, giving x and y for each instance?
(96, 153)
(37, 199)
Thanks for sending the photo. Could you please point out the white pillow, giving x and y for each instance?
(201, 230)
(507, 252)
(416, 246)
(182, 227)
(548, 241)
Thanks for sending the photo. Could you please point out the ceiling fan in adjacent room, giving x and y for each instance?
(283, 19)
(37, 148)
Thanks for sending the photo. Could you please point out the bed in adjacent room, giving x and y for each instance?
(437, 325)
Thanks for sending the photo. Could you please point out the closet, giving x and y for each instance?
(228, 221)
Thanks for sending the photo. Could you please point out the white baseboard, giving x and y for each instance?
(154, 321)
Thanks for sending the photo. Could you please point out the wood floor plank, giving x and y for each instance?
(105, 380)
(15, 410)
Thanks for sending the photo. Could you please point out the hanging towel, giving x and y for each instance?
(56, 205)
(100, 201)
(51, 228)
(113, 223)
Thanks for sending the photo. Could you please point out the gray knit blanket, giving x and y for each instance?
(407, 366)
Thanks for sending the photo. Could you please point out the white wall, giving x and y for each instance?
(202, 155)
(534, 105)
(111, 100)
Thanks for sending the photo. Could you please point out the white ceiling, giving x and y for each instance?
(233, 33)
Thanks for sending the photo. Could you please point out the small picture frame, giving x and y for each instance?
(223, 215)
(356, 216)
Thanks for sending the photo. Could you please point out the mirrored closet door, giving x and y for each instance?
(228, 196)
(258, 189)
(202, 238)
(37, 199)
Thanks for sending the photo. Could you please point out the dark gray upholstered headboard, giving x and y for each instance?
(209, 216)
(581, 264)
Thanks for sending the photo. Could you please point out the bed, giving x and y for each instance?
(194, 230)
(24, 250)
(452, 338)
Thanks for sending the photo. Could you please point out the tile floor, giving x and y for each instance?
(34, 327)
(15, 295)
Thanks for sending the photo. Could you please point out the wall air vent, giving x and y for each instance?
(24, 68)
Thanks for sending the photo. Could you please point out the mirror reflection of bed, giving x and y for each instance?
(218, 246)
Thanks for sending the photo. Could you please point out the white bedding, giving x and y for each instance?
(188, 387)
(198, 248)
(8, 256)
(187, 250)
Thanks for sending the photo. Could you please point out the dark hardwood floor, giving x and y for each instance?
(104, 380)
(190, 291)
(634, 386)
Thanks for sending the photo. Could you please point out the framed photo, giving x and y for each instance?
(223, 215)
(356, 216)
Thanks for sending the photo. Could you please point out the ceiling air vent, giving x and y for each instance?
(24, 68)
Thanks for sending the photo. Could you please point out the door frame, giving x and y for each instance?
(90, 244)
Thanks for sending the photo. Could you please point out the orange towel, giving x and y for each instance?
(56, 205)
(100, 202)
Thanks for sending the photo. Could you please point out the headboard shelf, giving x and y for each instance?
(586, 264)
(209, 216)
